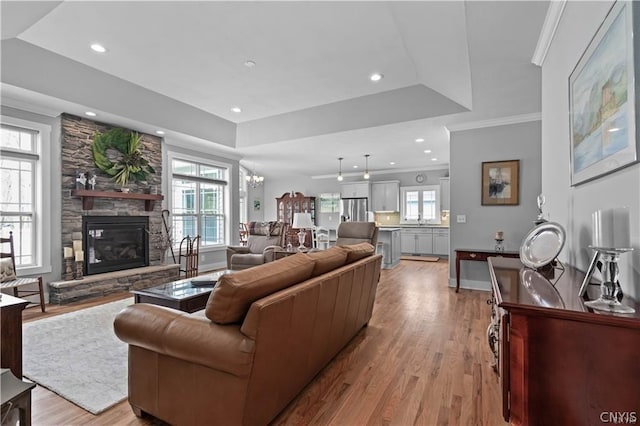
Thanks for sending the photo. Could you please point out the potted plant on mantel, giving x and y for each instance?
(131, 166)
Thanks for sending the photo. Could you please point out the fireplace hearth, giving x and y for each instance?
(114, 243)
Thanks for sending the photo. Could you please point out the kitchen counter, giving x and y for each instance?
(388, 228)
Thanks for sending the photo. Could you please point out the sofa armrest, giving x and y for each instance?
(189, 337)
(231, 250)
(270, 253)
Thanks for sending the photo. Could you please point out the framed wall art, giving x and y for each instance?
(501, 183)
(602, 99)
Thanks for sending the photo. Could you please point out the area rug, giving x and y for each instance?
(421, 258)
(78, 356)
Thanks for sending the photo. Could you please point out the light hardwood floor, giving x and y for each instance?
(422, 360)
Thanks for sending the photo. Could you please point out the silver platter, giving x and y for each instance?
(542, 245)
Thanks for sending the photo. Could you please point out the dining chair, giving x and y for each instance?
(8, 277)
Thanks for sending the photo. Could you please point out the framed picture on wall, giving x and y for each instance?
(602, 99)
(501, 183)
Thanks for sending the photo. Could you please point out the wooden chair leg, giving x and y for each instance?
(15, 292)
(41, 293)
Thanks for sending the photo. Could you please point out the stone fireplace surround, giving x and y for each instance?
(76, 139)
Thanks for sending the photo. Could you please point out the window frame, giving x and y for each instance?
(41, 222)
(174, 155)
(420, 189)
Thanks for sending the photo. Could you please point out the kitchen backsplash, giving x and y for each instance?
(394, 218)
(387, 218)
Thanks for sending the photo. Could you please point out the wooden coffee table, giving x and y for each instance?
(181, 294)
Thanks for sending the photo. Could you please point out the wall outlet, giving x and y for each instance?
(202, 257)
(461, 218)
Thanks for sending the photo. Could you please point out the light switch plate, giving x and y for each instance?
(461, 218)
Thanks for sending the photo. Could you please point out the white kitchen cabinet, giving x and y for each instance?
(417, 241)
(355, 190)
(385, 196)
(441, 242)
(445, 198)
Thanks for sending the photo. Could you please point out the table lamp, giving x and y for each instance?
(302, 221)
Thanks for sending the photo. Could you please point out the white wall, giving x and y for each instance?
(468, 150)
(573, 206)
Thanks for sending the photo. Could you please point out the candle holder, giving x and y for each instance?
(78, 272)
(499, 245)
(610, 290)
(68, 269)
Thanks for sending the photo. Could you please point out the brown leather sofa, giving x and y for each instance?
(264, 335)
(264, 238)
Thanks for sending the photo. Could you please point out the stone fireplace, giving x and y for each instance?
(114, 243)
(132, 263)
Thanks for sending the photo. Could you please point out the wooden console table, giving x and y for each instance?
(11, 333)
(478, 255)
(560, 363)
(15, 394)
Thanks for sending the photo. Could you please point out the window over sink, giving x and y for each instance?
(420, 204)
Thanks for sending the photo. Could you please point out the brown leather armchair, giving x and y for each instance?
(357, 232)
(264, 239)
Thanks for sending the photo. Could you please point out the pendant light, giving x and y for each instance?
(366, 167)
(340, 170)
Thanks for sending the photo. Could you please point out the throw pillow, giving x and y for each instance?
(328, 260)
(7, 273)
(234, 293)
(358, 251)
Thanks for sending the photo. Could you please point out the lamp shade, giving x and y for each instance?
(302, 221)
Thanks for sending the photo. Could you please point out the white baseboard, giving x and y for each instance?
(471, 284)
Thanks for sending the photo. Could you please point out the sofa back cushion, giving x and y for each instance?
(234, 293)
(328, 260)
(358, 251)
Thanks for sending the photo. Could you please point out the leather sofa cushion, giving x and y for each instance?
(234, 293)
(328, 260)
(358, 251)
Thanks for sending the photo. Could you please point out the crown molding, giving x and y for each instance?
(494, 122)
(549, 27)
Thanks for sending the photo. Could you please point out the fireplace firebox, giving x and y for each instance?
(114, 243)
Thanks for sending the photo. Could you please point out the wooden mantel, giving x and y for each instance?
(88, 196)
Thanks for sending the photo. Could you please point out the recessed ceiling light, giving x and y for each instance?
(90, 113)
(249, 64)
(160, 132)
(420, 140)
(98, 48)
(427, 151)
(355, 167)
(613, 129)
(376, 76)
(392, 162)
(434, 159)
(236, 109)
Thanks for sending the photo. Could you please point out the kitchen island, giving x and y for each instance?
(391, 247)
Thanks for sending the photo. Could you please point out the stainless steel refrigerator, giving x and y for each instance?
(354, 209)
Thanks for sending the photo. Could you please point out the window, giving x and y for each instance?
(420, 204)
(199, 201)
(22, 199)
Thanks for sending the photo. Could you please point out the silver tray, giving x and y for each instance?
(542, 245)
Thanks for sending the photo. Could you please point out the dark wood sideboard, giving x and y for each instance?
(559, 362)
(11, 330)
